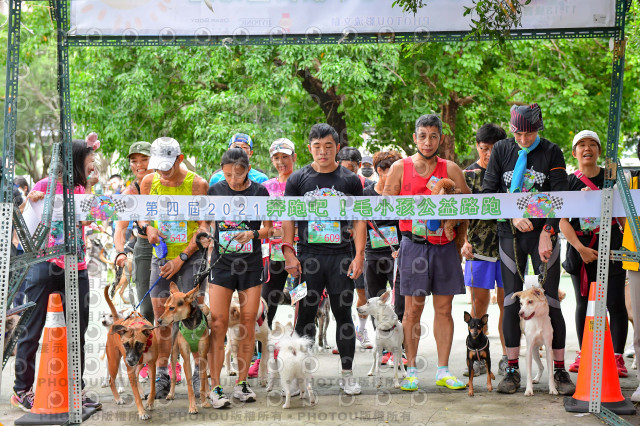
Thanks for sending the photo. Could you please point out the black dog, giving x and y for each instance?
(478, 348)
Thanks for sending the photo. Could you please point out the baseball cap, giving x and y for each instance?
(242, 138)
(367, 159)
(584, 135)
(164, 152)
(282, 145)
(143, 148)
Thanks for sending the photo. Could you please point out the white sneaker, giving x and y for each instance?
(630, 351)
(363, 338)
(636, 395)
(218, 398)
(349, 384)
(243, 392)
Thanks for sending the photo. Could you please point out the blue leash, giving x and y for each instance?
(161, 253)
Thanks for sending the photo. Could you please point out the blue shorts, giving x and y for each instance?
(482, 274)
(427, 269)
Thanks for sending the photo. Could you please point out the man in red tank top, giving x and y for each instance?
(428, 262)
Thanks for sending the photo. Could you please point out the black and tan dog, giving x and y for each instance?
(478, 348)
(131, 338)
(190, 333)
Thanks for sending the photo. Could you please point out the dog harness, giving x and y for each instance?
(477, 351)
(149, 339)
(193, 336)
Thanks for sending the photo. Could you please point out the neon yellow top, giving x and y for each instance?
(627, 237)
(178, 232)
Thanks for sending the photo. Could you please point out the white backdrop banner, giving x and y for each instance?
(582, 204)
(241, 18)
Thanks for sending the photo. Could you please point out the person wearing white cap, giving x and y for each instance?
(582, 251)
(180, 264)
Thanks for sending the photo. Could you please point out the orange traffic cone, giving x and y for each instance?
(610, 393)
(51, 401)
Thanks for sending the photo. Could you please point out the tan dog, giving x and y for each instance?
(235, 334)
(446, 186)
(183, 311)
(534, 309)
(131, 338)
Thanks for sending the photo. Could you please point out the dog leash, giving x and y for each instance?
(115, 282)
(541, 279)
(161, 253)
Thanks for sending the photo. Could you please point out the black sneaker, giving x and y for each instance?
(90, 403)
(563, 382)
(511, 381)
(22, 400)
(163, 386)
(195, 382)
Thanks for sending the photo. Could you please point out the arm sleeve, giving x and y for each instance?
(557, 179)
(491, 182)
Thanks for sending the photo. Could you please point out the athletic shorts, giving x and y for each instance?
(328, 271)
(427, 269)
(482, 274)
(377, 273)
(232, 280)
(184, 279)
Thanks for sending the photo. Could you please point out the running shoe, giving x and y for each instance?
(622, 369)
(563, 382)
(22, 400)
(576, 364)
(253, 370)
(363, 338)
(243, 392)
(218, 398)
(511, 381)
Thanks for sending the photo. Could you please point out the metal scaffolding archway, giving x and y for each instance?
(13, 268)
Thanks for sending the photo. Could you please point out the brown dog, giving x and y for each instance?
(131, 338)
(182, 310)
(446, 186)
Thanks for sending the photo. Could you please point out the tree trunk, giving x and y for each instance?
(328, 101)
(448, 144)
(449, 116)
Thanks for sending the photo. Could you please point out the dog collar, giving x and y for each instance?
(386, 331)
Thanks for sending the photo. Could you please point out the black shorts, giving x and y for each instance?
(328, 271)
(377, 273)
(232, 280)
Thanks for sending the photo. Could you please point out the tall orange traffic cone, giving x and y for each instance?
(51, 401)
(610, 393)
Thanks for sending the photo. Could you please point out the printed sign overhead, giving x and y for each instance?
(242, 18)
(324, 211)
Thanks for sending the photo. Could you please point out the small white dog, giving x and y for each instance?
(534, 309)
(389, 335)
(293, 362)
(235, 334)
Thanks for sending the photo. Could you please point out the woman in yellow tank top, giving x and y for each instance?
(181, 263)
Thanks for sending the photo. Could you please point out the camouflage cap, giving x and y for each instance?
(143, 148)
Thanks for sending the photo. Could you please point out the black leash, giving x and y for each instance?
(542, 278)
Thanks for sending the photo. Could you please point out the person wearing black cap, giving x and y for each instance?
(529, 163)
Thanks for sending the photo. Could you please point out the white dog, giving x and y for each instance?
(235, 334)
(389, 335)
(538, 331)
(293, 364)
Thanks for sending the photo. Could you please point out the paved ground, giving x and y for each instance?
(430, 405)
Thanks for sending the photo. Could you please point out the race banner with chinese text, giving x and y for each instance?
(479, 206)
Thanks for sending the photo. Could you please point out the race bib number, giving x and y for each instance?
(389, 232)
(228, 245)
(298, 293)
(589, 224)
(276, 252)
(175, 231)
(324, 232)
(432, 181)
(419, 227)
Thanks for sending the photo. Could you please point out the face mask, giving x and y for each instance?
(367, 171)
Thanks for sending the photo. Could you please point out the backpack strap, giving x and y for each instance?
(585, 180)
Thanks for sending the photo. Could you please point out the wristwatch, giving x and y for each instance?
(548, 228)
(256, 234)
(184, 256)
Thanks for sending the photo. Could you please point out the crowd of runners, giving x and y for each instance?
(351, 261)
